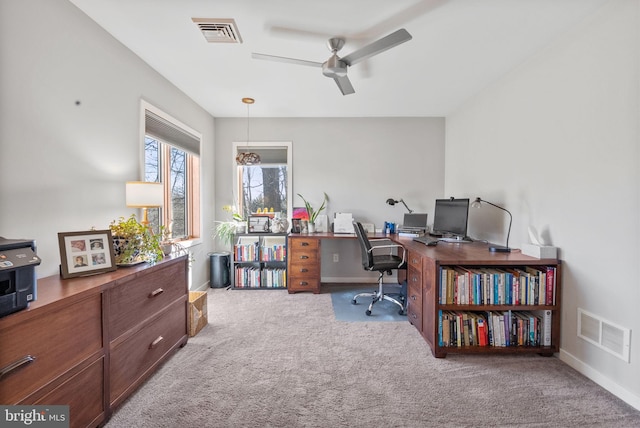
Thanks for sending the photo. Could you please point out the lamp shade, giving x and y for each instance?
(141, 194)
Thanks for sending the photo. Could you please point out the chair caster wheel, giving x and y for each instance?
(353, 302)
(368, 312)
(401, 312)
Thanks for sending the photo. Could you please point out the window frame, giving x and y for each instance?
(238, 146)
(193, 172)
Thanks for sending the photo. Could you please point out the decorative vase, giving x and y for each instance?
(311, 227)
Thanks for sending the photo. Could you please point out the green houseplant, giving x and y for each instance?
(226, 230)
(313, 213)
(134, 242)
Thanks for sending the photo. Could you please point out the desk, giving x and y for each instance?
(304, 258)
(426, 305)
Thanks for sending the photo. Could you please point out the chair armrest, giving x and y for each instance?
(390, 246)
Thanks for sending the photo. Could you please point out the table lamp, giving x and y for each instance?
(142, 194)
(495, 248)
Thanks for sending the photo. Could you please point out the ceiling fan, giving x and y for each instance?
(336, 67)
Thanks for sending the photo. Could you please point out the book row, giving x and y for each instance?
(254, 252)
(253, 277)
(494, 328)
(530, 285)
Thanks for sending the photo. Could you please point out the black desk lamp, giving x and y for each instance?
(392, 202)
(496, 248)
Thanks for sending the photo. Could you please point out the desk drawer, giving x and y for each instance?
(296, 244)
(303, 284)
(48, 346)
(415, 260)
(133, 301)
(414, 304)
(414, 277)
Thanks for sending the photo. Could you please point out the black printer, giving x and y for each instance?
(18, 260)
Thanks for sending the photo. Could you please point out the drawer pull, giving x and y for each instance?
(27, 359)
(304, 244)
(414, 298)
(304, 257)
(304, 283)
(414, 316)
(155, 293)
(304, 270)
(156, 342)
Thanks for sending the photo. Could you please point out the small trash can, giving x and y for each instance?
(219, 270)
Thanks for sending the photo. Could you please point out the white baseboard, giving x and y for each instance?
(203, 287)
(617, 390)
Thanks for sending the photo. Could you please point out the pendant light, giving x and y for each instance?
(248, 157)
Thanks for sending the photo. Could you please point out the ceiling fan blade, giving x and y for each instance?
(345, 85)
(380, 45)
(285, 59)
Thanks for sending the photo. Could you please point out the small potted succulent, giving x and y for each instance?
(313, 213)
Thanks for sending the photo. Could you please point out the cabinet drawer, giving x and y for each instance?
(415, 260)
(132, 359)
(306, 256)
(414, 277)
(303, 284)
(414, 304)
(134, 300)
(56, 341)
(304, 270)
(303, 244)
(83, 394)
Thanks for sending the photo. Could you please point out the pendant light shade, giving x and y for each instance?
(248, 157)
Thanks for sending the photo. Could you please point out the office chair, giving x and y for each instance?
(372, 260)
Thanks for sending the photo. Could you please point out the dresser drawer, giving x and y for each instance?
(132, 359)
(83, 394)
(133, 300)
(303, 284)
(37, 351)
(414, 277)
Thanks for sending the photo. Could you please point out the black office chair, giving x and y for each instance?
(372, 260)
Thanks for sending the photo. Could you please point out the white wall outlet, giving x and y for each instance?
(336, 257)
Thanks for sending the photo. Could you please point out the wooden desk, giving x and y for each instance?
(426, 308)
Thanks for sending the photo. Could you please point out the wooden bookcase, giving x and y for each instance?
(259, 261)
(495, 287)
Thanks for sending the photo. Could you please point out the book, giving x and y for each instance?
(545, 329)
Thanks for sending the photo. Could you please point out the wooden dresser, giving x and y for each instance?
(90, 342)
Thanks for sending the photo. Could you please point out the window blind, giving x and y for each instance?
(170, 133)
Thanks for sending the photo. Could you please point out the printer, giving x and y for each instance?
(18, 260)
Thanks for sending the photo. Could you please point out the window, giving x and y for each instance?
(266, 186)
(171, 156)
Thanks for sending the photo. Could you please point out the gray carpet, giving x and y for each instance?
(344, 310)
(270, 359)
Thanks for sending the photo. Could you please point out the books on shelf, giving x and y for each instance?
(494, 328)
(528, 286)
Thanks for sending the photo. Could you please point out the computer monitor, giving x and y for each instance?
(450, 217)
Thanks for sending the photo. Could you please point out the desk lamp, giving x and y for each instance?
(392, 202)
(142, 194)
(496, 248)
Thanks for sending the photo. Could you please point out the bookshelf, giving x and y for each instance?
(259, 261)
(464, 299)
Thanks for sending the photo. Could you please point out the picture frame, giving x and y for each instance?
(259, 224)
(296, 227)
(86, 253)
(300, 213)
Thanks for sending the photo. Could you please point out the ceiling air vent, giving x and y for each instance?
(218, 30)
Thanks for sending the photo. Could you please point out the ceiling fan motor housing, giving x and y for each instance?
(334, 67)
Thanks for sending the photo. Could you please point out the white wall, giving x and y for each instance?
(556, 142)
(358, 162)
(63, 166)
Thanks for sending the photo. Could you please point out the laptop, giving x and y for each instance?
(414, 222)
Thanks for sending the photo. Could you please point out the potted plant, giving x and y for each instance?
(226, 230)
(134, 242)
(313, 213)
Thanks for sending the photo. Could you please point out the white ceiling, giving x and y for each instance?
(458, 48)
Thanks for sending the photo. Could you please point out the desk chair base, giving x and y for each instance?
(378, 296)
